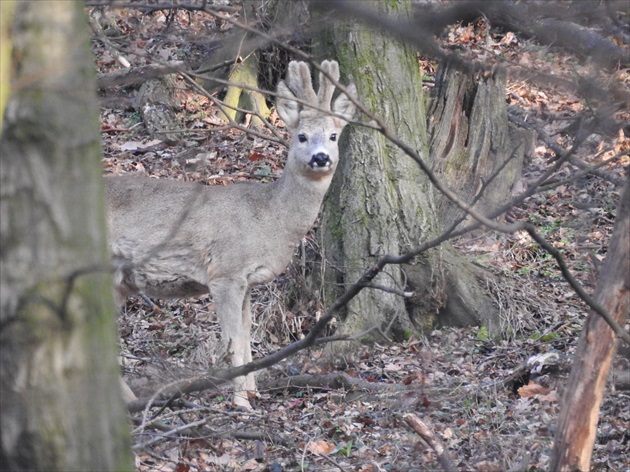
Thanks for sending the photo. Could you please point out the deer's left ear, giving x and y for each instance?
(343, 105)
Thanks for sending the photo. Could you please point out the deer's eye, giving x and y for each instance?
(333, 137)
(302, 137)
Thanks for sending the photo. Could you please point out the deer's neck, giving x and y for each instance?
(298, 198)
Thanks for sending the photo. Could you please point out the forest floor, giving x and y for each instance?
(493, 402)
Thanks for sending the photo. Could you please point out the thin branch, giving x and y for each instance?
(559, 151)
(188, 76)
(172, 432)
(587, 170)
(329, 459)
(575, 285)
(98, 31)
(395, 291)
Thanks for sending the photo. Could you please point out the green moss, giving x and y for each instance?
(362, 218)
(426, 322)
(483, 334)
(333, 220)
(545, 337)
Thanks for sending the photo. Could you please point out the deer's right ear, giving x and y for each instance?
(287, 107)
(344, 106)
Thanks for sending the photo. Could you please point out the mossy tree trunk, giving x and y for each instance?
(381, 203)
(60, 398)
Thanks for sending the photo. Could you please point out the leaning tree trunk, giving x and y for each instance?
(380, 201)
(577, 423)
(60, 399)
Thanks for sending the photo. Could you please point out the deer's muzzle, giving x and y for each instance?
(321, 159)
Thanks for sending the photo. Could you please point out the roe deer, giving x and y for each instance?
(173, 239)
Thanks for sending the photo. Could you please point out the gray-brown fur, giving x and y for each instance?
(175, 239)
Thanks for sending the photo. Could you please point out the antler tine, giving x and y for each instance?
(326, 87)
(299, 80)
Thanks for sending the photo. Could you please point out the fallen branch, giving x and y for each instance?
(445, 460)
(134, 75)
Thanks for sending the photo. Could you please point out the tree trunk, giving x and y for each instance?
(577, 424)
(60, 400)
(6, 15)
(241, 50)
(473, 147)
(381, 202)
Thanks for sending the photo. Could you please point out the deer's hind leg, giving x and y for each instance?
(229, 298)
(250, 379)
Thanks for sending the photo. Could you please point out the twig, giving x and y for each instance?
(98, 31)
(514, 118)
(395, 291)
(188, 76)
(445, 460)
(259, 436)
(173, 431)
(136, 74)
(329, 459)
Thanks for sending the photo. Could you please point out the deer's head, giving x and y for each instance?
(311, 120)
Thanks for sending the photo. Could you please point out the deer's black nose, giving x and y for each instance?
(321, 159)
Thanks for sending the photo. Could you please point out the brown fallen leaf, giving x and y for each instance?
(321, 447)
(255, 156)
(532, 389)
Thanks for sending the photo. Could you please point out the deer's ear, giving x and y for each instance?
(343, 105)
(287, 107)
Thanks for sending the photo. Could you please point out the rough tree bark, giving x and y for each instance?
(60, 400)
(577, 423)
(380, 202)
(473, 147)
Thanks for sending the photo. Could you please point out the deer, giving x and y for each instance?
(171, 239)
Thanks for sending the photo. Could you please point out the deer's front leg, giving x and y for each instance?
(229, 298)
